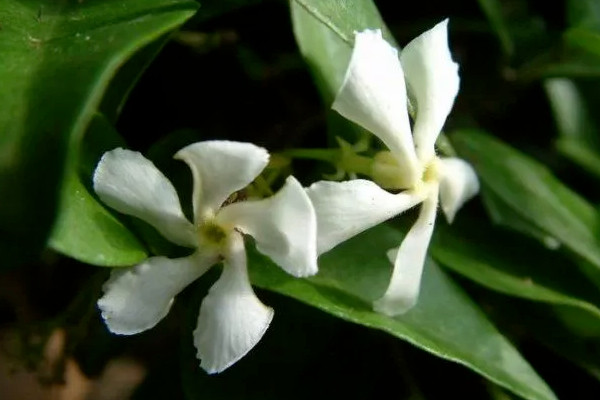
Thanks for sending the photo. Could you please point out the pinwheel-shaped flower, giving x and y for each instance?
(232, 319)
(373, 95)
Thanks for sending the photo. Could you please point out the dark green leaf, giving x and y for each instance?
(513, 265)
(502, 214)
(343, 17)
(584, 13)
(543, 325)
(531, 191)
(493, 11)
(84, 229)
(324, 31)
(584, 39)
(58, 58)
(445, 322)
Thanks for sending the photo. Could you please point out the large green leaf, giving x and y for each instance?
(543, 325)
(445, 322)
(531, 191)
(343, 17)
(84, 229)
(513, 265)
(324, 31)
(58, 58)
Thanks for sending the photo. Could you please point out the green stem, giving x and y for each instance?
(352, 162)
(328, 155)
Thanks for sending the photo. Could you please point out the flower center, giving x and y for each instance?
(431, 172)
(386, 172)
(212, 234)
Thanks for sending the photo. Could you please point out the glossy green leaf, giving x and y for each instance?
(58, 58)
(445, 322)
(88, 232)
(493, 11)
(324, 31)
(343, 17)
(531, 191)
(513, 265)
(84, 228)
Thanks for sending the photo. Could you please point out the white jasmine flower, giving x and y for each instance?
(373, 95)
(232, 319)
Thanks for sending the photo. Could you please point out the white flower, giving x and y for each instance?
(373, 95)
(232, 319)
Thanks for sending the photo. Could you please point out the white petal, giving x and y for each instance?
(345, 209)
(220, 168)
(458, 184)
(433, 79)
(137, 298)
(403, 290)
(232, 319)
(373, 95)
(131, 184)
(284, 227)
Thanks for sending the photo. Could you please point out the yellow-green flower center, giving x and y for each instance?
(431, 172)
(386, 172)
(213, 234)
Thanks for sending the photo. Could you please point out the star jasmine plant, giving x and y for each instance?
(374, 96)
(231, 319)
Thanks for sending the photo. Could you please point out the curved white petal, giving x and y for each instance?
(137, 298)
(433, 79)
(284, 227)
(345, 209)
(232, 319)
(403, 290)
(458, 184)
(373, 95)
(131, 184)
(220, 168)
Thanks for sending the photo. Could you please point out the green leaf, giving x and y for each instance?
(513, 266)
(570, 110)
(324, 31)
(59, 57)
(580, 153)
(543, 325)
(84, 229)
(584, 13)
(343, 17)
(493, 11)
(578, 134)
(584, 39)
(531, 191)
(445, 322)
(502, 214)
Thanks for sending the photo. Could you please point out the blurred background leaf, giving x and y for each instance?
(533, 193)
